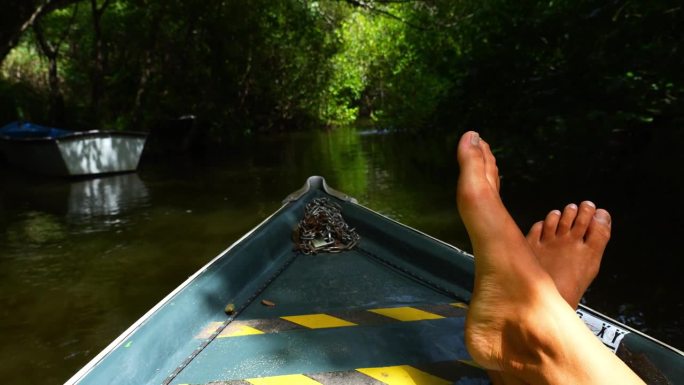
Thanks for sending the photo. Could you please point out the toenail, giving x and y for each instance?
(571, 206)
(557, 212)
(590, 203)
(474, 139)
(602, 217)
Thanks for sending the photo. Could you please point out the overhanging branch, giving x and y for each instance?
(372, 8)
(44, 8)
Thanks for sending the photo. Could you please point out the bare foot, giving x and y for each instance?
(510, 283)
(570, 245)
(518, 322)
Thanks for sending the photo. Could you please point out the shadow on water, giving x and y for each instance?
(82, 260)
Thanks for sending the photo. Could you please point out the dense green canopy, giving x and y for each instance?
(537, 68)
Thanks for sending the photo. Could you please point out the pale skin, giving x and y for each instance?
(519, 324)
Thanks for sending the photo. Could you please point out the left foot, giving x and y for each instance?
(511, 287)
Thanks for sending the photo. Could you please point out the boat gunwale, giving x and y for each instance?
(75, 135)
(471, 256)
(167, 299)
(631, 330)
(581, 306)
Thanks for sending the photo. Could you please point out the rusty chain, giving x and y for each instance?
(323, 229)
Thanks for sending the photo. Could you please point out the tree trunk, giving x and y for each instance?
(145, 73)
(146, 66)
(51, 52)
(98, 71)
(24, 14)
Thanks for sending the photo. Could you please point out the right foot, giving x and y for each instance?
(570, 245)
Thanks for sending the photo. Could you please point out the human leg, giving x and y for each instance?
(518, 322)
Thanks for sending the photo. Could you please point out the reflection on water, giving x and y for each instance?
(81, 260)
(58, 255)
(98, 203)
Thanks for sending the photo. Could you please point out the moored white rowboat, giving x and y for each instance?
(59, 152)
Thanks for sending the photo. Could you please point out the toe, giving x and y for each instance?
(470, 156)
(471, 179)
(535, 234)
(567, 218)
(584, 217)
(551, 224)
(598, 232)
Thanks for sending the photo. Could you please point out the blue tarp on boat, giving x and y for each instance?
(20, 130)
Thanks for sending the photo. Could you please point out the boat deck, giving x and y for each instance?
(344, 318)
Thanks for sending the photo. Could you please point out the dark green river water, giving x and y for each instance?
(82, 260)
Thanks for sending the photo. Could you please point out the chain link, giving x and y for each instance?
(323, 229)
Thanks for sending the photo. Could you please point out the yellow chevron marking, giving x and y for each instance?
(459, 304)
(406, 313)
(403, 375)
(239, 330)
(318, 321)
(291, 379)
(209, 330)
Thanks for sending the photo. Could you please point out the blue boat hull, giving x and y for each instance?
(391, 309)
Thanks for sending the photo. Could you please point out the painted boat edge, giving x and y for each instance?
(78, 135)
(631, 330)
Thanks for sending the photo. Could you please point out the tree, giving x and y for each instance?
(19, 16)
(99, 54)
(51, 50)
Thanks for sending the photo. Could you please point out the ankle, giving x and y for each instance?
(531, 338)
(548, 344)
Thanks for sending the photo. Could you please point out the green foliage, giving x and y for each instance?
(541, 71)
(545, 76)
(23, 75)
(239, 66)
(350, 68)
(23, 64)
(379, 72)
